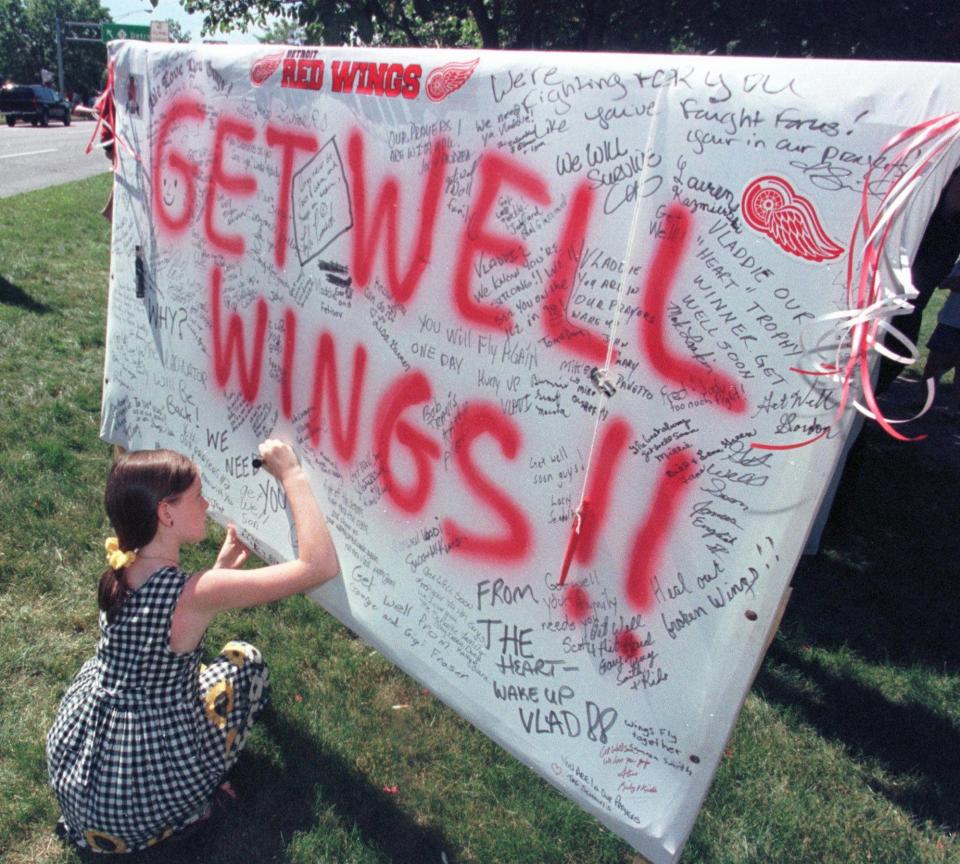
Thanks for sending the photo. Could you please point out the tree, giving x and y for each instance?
(908, 29)
(176, 32)
(367, 22)
(284, 32)
(28, 42)
(13, 44)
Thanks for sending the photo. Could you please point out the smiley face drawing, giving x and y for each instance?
(174, 194)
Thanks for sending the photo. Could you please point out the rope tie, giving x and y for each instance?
(601, 376)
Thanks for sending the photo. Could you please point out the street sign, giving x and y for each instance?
(159, 31)
(110, 30)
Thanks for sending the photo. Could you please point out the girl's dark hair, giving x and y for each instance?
(137, 483)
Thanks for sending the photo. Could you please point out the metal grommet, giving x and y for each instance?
(601, 380)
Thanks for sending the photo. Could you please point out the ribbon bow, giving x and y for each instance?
(116, 558)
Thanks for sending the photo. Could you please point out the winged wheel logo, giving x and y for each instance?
(772, 207)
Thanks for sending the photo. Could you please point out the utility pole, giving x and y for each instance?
(60, 54)
(82, 26)
(89, 26)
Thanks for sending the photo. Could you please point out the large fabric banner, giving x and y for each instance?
(564, 342)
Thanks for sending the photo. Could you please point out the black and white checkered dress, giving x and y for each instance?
(144, 736)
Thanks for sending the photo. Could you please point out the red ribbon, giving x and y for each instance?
(575, 530)
(106, 109)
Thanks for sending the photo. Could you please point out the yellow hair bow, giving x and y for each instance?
(116, 558)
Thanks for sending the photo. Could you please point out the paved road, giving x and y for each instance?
(34, 157)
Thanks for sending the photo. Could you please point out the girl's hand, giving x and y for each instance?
(233, 553)
(278, 458)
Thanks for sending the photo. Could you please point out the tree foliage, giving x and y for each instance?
(921, 29)
(28, 42)
(284, 32)
(177, 33)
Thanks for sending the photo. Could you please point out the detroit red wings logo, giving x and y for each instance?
(446, 79)
(771, 206)
(264, 68)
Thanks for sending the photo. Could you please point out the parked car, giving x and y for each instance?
(33, 102)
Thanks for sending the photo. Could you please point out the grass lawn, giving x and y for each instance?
(847, 750)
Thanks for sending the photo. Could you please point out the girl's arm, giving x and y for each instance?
(212, 591)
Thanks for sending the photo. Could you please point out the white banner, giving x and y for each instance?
(485, 292)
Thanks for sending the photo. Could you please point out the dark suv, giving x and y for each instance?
(34, 103)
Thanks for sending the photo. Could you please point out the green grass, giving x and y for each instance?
(847, 750)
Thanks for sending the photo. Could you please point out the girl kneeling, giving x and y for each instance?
(145, 733)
